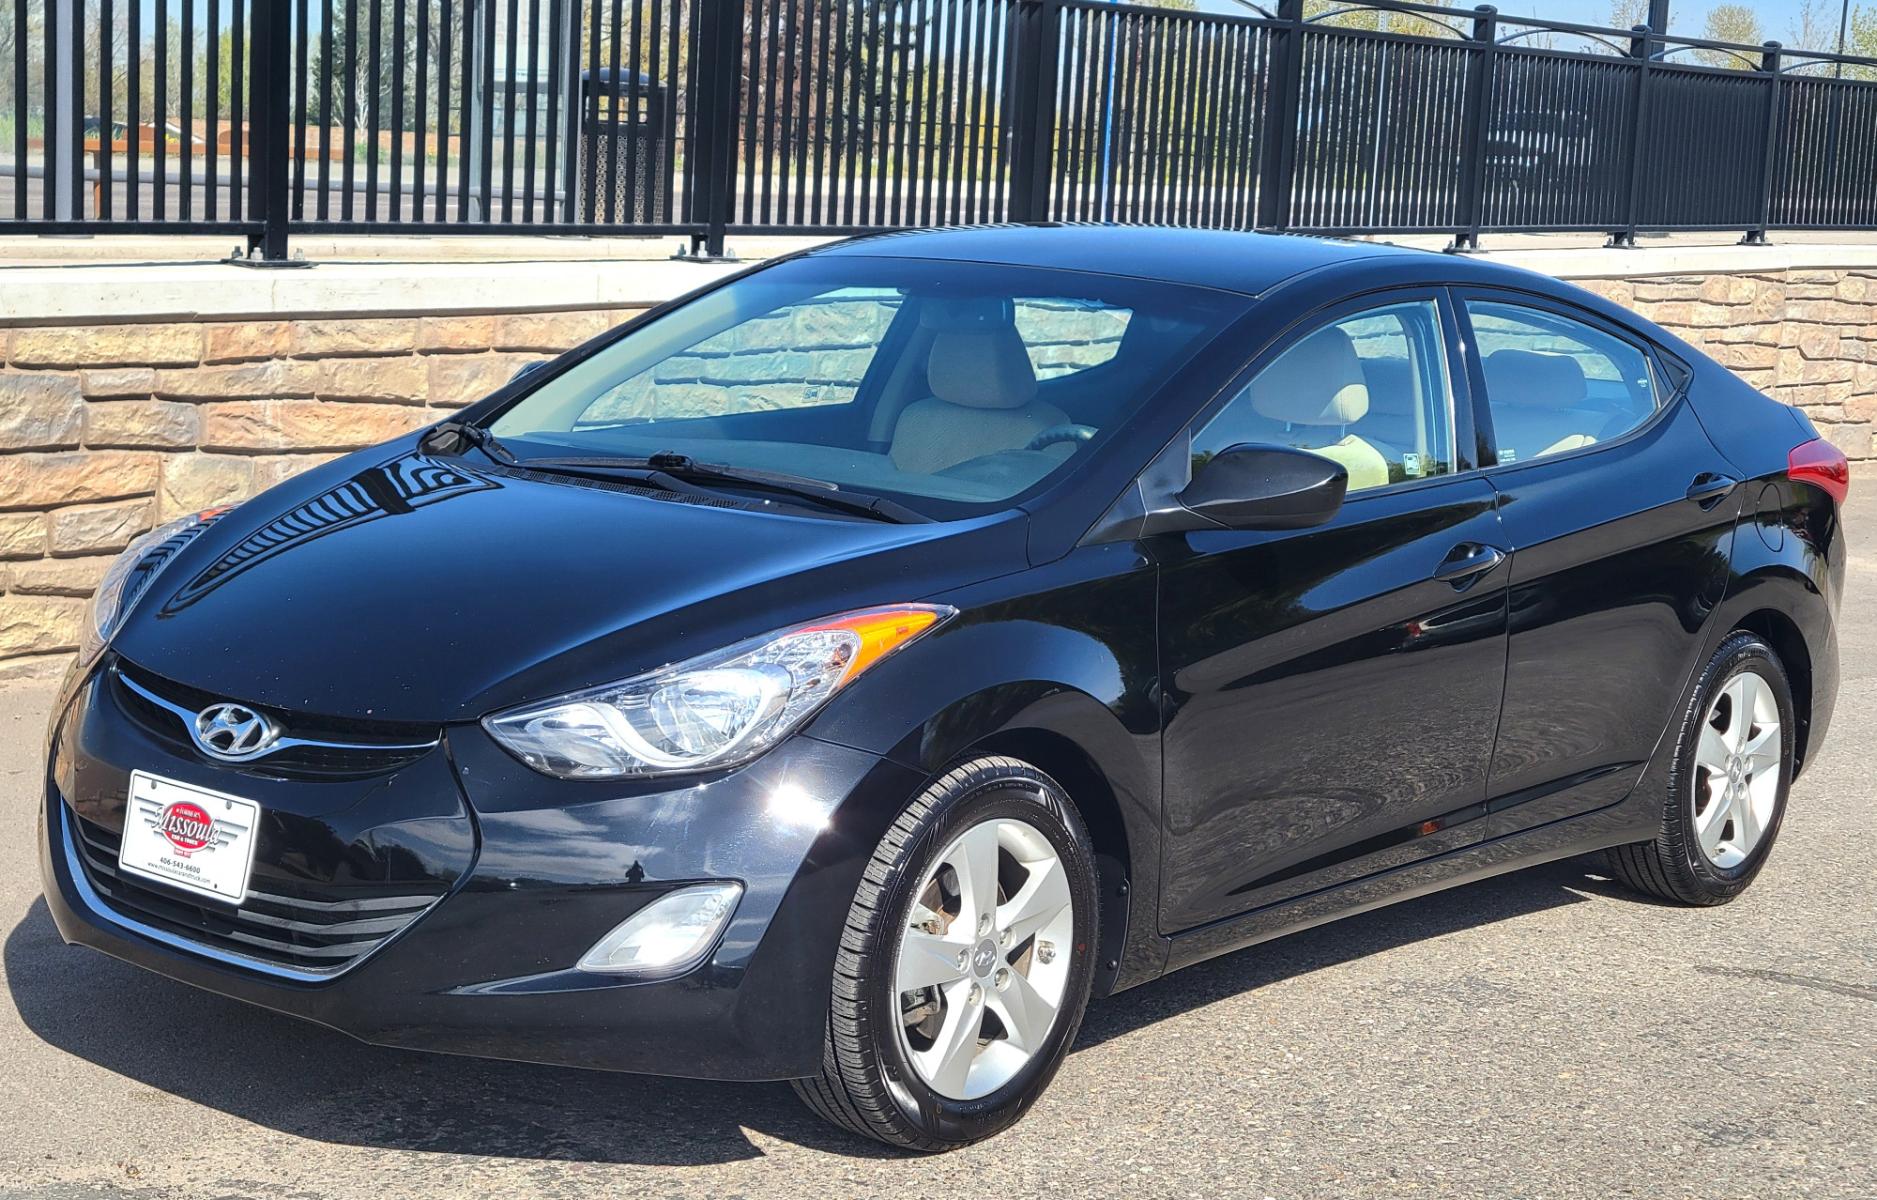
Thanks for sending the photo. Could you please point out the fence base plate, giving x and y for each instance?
(706, 259)
(268, 264)
(255, 261)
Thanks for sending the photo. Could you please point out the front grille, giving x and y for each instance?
(323, 747)
(319, 931)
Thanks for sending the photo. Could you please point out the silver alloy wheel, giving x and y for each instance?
(984, 959)
(1737, 763)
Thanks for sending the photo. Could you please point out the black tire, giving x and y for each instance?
(1671, 866)
(866, 1084)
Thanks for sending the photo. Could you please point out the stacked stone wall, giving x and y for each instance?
(106, 430)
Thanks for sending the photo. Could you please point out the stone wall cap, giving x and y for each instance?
(84, 293)
(65, 295)
(1643, 262)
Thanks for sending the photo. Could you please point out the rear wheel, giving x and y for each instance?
(1727, 792)
(964, 967)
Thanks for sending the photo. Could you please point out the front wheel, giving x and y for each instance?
(1727, 791)
(965, 963)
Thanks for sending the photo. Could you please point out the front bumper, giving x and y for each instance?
(487, 970)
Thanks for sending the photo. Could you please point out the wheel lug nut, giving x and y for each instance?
(1002, 978)
(964, 959)
(976, 995)
(984, 924)
(1045, 952)
(1003, 937)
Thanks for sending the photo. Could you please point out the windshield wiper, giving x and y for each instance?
(454, 437)
(683, 468)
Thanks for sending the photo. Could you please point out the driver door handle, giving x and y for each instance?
(1467, 562)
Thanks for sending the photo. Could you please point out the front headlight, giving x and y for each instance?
(714, 711)
(130, 574)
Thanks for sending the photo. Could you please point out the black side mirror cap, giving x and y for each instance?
(1266, 487)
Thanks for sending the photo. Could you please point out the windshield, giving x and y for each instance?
(951, 387)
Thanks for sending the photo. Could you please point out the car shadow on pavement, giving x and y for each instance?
(311, 1082)
(1519, 893)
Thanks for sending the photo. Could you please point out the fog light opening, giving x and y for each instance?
(669, 936)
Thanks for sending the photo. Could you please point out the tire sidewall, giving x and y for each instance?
(1035, 799)
(1740, 653)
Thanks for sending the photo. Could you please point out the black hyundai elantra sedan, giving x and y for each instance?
(844, 673)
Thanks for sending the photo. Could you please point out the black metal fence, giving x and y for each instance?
(267, 118)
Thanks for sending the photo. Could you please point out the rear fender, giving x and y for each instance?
(1785, 583)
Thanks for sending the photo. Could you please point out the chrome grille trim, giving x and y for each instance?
(284, 742)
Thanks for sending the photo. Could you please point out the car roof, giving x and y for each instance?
(1228, 260)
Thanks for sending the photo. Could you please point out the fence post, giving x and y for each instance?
(1641, 48)
(572, 111)
(1775, 87)
(1473, 136)
(474, 202)
(270, 80)
(1277, 134)
(1038, 35)
(64, 79)
(710, 166)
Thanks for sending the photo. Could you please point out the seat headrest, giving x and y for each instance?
(985, 367)
(1318, 381)
(1528, 379)
(1392, 387)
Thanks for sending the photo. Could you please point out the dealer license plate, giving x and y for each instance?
(189, 837)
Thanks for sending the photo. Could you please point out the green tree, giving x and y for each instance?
(1731, 23)
(1861, 39)
(1627, 14)
(1376, 20)
(1815, 26)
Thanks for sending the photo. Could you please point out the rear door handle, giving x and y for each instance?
(1468, 561)
(1710, 488)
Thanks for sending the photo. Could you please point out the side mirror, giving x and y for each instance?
(1267, 487)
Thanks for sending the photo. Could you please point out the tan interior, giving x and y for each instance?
(1318, 389)
(1537, 403)
(983, 401)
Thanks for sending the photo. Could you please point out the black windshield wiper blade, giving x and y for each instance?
(454, 437)
(686, 469)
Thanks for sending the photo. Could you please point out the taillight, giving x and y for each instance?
(1823, 465)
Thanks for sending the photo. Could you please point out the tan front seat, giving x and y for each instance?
(983, 400)
(1318, 386)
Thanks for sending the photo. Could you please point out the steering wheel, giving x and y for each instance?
(1068, 432)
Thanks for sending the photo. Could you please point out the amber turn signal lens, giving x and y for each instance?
(881, 631)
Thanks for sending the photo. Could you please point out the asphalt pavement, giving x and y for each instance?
(1544, 1034)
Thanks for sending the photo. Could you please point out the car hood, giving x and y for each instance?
(402, 587)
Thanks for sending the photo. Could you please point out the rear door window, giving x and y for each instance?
(1554, 384)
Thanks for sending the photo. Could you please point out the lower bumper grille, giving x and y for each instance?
(301, 934)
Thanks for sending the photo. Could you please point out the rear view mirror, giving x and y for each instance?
(1267, 487)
